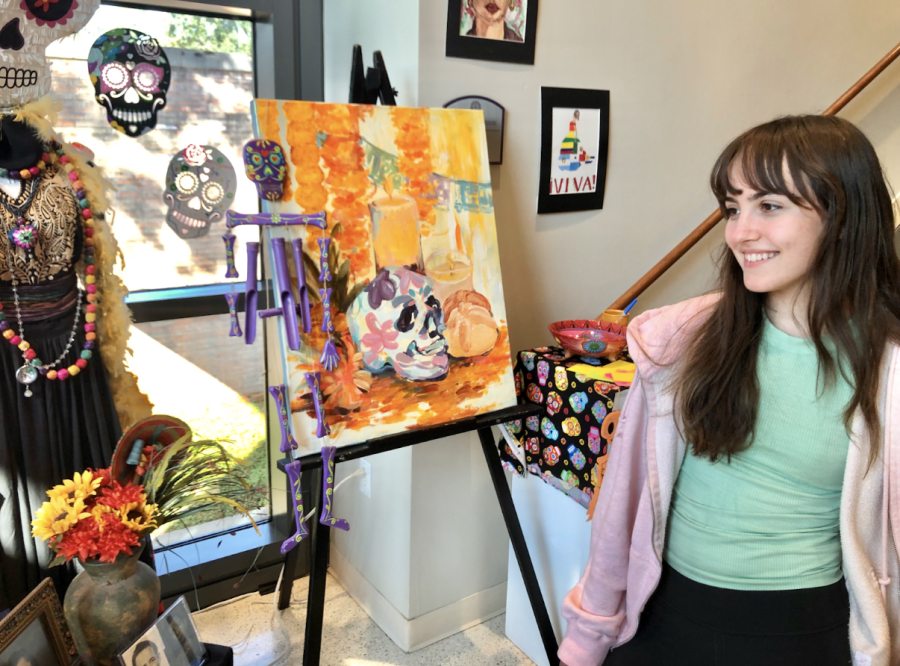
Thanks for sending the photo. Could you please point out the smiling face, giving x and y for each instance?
(490, 11)
(774, 241)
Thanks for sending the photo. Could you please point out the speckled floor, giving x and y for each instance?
(349, 638)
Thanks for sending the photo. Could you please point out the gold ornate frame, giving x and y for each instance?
(42, 603)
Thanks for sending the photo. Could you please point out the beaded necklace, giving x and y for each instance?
(33, 366)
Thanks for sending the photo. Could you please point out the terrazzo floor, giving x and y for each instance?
(349, 637)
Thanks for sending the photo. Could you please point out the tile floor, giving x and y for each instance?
(349, 638)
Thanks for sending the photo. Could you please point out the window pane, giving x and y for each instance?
(191, 369)
(207, 103)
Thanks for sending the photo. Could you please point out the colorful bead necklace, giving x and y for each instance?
(32, 366)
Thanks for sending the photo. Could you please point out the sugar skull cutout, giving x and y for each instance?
(130, 73)
(265, 165)
(26, 29)
(397, 321)
(200, 187)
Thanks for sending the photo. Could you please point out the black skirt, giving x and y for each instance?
(686, 623)
(63, 428)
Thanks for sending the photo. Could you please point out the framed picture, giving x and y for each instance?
(494, 121)
(501, 30)
(35, 633)
(171, 641)
(574, 148)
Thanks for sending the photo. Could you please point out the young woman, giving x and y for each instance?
(751, 495)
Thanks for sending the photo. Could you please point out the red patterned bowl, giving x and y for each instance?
(587, 337)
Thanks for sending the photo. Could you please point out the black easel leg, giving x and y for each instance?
(315, 605)
(520, 548)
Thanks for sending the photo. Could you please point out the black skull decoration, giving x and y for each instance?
(130, 73)
(200, 187)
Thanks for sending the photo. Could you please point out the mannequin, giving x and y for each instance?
(64, 391)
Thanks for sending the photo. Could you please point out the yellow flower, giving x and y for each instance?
(82, 487)
(56, 517)
(97, 512)
(139, 517)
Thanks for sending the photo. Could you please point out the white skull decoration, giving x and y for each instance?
(26, 29)
(396, 321)
(200, 187)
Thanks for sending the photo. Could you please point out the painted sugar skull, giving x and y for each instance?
(130, 73)
(397, 322)
(26, 29)
(200, 187)
(265, 165)
(543, 370)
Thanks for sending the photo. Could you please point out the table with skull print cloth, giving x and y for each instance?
(565, 443)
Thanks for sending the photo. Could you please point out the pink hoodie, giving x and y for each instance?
(629, 526)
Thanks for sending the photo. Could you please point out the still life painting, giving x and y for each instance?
(403, 278)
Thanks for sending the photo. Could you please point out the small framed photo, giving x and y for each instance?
(574, 148)
(171, 641)
(500, 30)
(35, 632)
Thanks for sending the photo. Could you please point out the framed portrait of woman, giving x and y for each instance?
(35, 632)
(501, 30)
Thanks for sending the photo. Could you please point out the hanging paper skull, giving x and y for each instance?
(130, 73)
(396, 321)
(26, 28)
(264, 161)
(200, 187)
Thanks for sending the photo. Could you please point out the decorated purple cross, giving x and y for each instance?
(251, 295)
(303, 305)
(325, 271)
(283, 287)
(314, 380)
(327, 324)
(293, 472)
(328, 490)
(235, 331)
(287, 439)
(233, 219)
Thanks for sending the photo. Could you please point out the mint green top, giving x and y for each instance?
(769, 520)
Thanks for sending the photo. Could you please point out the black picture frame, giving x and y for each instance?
(567, 98)
(474, 48)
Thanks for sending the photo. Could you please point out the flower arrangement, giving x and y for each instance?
(92, 516)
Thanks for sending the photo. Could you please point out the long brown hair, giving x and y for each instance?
(854, 281)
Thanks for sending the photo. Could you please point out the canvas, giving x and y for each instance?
(416, 297)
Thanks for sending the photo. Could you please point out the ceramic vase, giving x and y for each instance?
(109, 605)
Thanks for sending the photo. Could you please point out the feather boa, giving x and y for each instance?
(114, 317)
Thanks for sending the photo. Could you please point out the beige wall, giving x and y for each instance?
(685, 77)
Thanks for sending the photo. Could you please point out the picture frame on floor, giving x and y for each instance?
(171, 641)
(574, 149)
(35, 632)
(499, 30)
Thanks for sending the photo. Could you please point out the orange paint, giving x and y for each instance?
(304, 154)
(413, 141)
(267, 110)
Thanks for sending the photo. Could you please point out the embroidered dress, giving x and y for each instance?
(65, 426)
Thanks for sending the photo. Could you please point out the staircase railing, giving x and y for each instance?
(681, 249)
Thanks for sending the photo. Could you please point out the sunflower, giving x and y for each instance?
(56, 517)
(98, 512)
(81, 486)
(138, 516)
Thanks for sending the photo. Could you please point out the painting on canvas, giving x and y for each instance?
(416, 297)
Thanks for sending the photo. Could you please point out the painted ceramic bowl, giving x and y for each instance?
(587, 337)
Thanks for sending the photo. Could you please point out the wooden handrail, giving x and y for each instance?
(706, 226)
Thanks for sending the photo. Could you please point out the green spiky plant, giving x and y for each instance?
(189, 477)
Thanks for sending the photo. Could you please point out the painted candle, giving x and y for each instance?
(394, 227)
(451, 271)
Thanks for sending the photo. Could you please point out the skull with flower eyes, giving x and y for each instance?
(26, 29)
(200, 187)
(130, 73)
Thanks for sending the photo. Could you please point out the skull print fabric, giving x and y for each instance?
(265, 166)
(565, 445)
(200, 187)
(130, 73)
(26, 29)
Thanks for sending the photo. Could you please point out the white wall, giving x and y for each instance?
(684, 78)
(389, 26)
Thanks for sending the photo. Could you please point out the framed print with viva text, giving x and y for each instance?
(500, 30)
(574, 149)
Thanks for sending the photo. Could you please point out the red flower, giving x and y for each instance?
(114, 539)
(105, 477)
(117, 495)
(80, 541)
